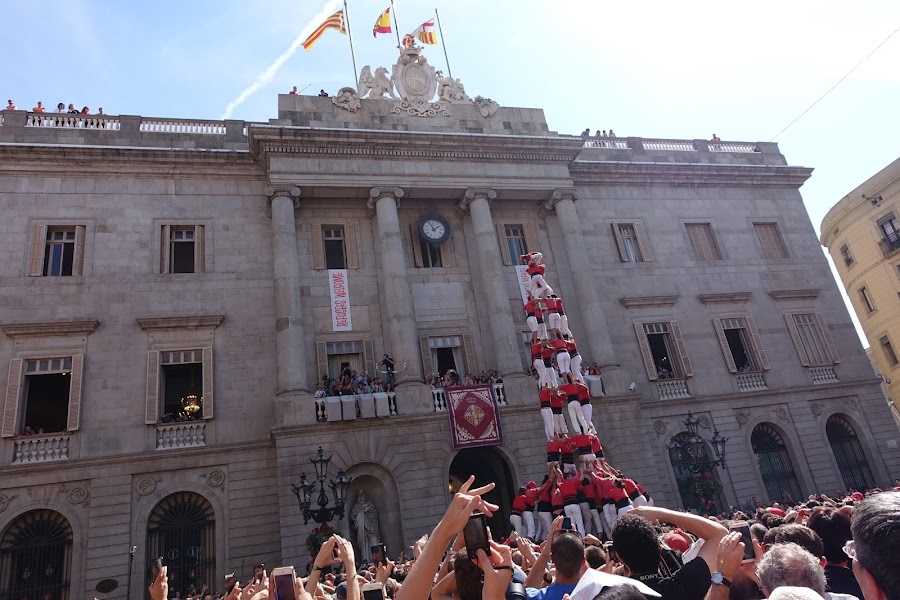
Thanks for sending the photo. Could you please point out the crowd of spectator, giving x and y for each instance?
(452, 378)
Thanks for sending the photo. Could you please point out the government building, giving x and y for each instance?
(173, 291)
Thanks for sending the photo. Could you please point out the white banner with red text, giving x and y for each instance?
(340, 300)
(524, 278)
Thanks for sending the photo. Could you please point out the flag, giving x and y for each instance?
(425, 34)
(335, 21)
(383, 24)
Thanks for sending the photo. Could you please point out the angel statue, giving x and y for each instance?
(378, 84)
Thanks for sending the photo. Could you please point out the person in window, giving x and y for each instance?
(320, 391)
(388, 363)
(746, 368)
(663, 373)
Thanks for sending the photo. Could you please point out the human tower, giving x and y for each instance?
(590, 492)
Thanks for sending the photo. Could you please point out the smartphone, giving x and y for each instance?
(259, 572)
(229, 583)
(379, 554)
(373, 591)
(156, 566)
(744, 528)
(476, 535)
(284, 583)
(566, 524)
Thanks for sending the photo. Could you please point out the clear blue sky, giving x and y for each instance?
(653, 69)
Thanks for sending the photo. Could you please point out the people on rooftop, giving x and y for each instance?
(10, 105)
(38, 108)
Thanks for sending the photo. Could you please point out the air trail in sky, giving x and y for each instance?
(269, 73)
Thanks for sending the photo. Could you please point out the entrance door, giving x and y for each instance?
(691, 476)
(487, 465)
(182, 530)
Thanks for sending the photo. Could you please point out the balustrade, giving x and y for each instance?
(607, 143)
(751, 382)
(363, 406)
(672, 389)
(732, 147)
(180, 435)
(668, 145)
(41, 448)
(71, 120)
(822, 375)
(177, 126)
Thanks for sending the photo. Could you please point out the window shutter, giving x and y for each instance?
(199, 249)
(369, 358)
(38, 246)
(322, 359)
(621, 246)
(531, 241)
(151, 408)
(318, 247)
(350, 246)
(78, 259)
(164, 249)
(427, 364)
(826, 338)
(645, 351)
(416, 245)
(448, 251)
(209, 384)
(682, 349)
(75, 385)
(643, 242)
(13, 387)
(726, 349)
(468, 354)
(795, 337)
(504, 247)
(761, 358)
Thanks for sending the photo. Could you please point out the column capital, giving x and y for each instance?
(285, 191)
(474, 194)
(377, 193)
(559, 195)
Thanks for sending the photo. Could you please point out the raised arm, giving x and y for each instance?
(709, 531)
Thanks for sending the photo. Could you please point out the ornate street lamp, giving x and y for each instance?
(718, 444)
(696, 457)
(305, 490)
(692, 423)
(675, 450)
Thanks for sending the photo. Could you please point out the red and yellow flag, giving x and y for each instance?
(425, 34)
(335, 21)
(383, 24)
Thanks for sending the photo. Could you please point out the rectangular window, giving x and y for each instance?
(888, 350)
(183, 249)
(516, 244)
(703, 242)
(57, 251)
(741, 344)
(338, 359)
(812, 339)
(866, 300)
(846, 255)
(630, 249)
(334, 247)
(181, 384)
(770, 240)
(47, 386)
(663, 350)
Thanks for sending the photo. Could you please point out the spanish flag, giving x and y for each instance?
(425, 34)
(335, 21)
(383, 24)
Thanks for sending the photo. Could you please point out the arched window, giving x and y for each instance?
(689, 474)
(774, 464)
(182, 530)
(36, 557)
(848, 453)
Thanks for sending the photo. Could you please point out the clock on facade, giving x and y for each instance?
(434, 229)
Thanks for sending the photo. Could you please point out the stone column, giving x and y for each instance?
(290, 340)
(503, 330)
(400, 326)
(589, 313)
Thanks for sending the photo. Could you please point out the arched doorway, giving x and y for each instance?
(774, 463)
(692, 477)
(36, 557)
(848, 452)
(487, 465)
(182, 530)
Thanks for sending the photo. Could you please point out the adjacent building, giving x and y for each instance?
(172, 291)
(861, 234)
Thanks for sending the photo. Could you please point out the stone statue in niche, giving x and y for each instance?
(364, 523)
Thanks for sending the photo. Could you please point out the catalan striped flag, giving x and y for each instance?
(383, 24)
(335, 21)
(425, 34)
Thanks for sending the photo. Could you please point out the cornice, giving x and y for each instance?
(192, 322)
(16, 330)
(794, 294)
(693, 174)
(644, 301)
(724, 298)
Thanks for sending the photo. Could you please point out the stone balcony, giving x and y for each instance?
(41, 448)
(181, 435)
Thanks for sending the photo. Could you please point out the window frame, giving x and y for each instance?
(322, 354)
(155, 399)
(530, 241)
(753, 344)
(676, 345)
(317, 241)
(846, 254)
(467, 349)
(203, 245)
(868, 303)
(82, 250)
(830, 350)
(887, 349)
(640, 239)
(776, 242)
(16, 390)
(713, 241)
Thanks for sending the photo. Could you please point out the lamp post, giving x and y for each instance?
(695, 450)
(305, 490)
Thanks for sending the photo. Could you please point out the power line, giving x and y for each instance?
(850, 72)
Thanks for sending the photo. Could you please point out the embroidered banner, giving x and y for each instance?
(523, 277)
(474, 418)
(340, 300)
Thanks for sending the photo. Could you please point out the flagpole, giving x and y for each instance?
(396, 27)
(440, 29)
(352, 53)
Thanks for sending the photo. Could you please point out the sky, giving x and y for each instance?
(657, 69)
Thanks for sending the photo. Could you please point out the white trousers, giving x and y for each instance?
(609, 515)
(563, 361)
(624, 510)
(586, 518)
(528, 522)
(587, 411)
(559, 424)
(640, 501)
(546, 520)
(549, 423)
(516, 522)
(575, 367)
(577, 416)
(600, 524)
(538, 287)
(573, 511)
(546, 375)
(553, 320)
(564, 325)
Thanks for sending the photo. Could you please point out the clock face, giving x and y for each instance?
(434, 229)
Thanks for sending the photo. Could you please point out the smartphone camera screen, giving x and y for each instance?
(566, 524)
(475, 534)
(284, 587)
(373, 595)
(378, 553)
(744, 530)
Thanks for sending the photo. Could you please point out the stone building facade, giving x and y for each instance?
(861, 234)
(141, 252)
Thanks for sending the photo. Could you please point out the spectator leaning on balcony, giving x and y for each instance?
(38, 108)
(10, 105)
(73, 110)
(60, 108)
(584, 134)
(715, 138)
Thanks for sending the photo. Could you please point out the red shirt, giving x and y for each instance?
(583, 392)
(591, 490)
(531, 497)
(571, 389)
(615, 494)
(558, 345)
(602, 484)
(520, 503)
(582, 440)
(547, 350)
(595, 444)
(531, 307)
(570, 346)
(533, 270)
(536, 351)
(546, 494)
(569, 487)
(556, 397)
(556, 447)
(552, 304)
(630, 486)
(546, 396)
